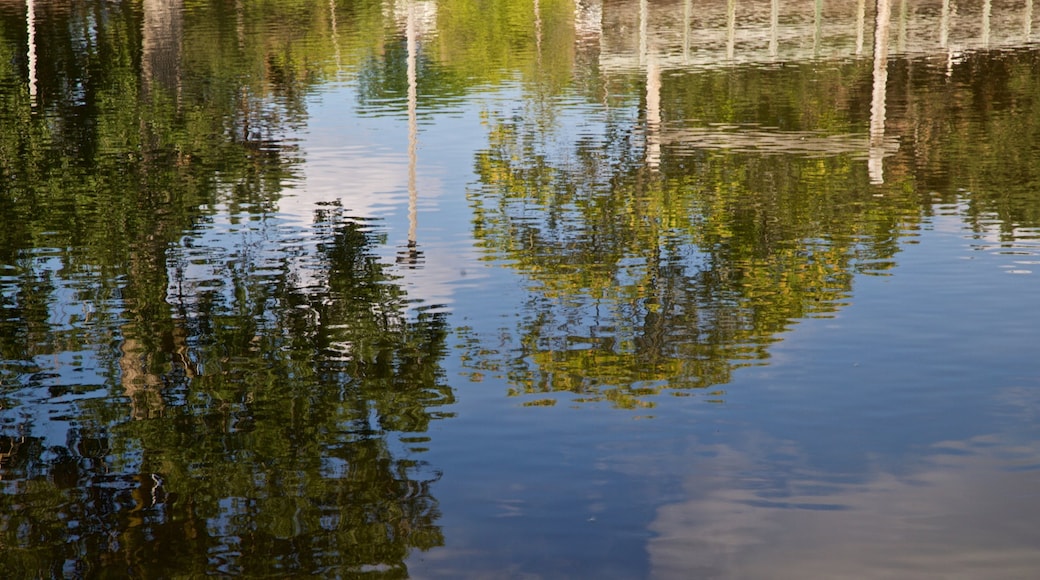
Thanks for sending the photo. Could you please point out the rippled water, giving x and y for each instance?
(549, 289)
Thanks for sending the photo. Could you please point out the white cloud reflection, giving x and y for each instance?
(373, 183)
(970, 510)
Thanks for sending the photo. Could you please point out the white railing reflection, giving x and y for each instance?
(711, 35)
(685, 33)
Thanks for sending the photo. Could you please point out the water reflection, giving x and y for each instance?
(708, 265)
(222, 220)
(190, 382)
(412, 255)
(880, 84)
(30, 26)
(160, 44)
(716, 253)
(949, 517)
(761, 32)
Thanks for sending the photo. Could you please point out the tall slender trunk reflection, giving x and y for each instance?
(731, 29)
(687, 14)
(987, 8)
(903, 18)
(653, 89)
(877, 107)
(944, 25)
(817, 27)
(30, 25)
(538, 32)
(161, 31)
(240, 25)
(1027, 24)
(161, 44)
(140, 385)
(861, 17)
(335, 35)
(947, 16)
(774, 28)
(653, 112)
(412, 256)
(644, 16)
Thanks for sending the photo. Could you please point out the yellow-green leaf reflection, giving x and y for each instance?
(646, 276)
(191, 386)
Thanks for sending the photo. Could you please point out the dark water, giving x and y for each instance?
(545, 289)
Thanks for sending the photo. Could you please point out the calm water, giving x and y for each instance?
(534, 289)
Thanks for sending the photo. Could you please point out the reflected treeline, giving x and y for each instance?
(188, 384)
(645, 279)
(262, 440)
(185, 386)
(967, 129)
(465, 46)
(676, 244)
(104, 159)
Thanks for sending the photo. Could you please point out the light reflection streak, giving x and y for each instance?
(335, 35)
(861, 16)
(987, 8)
(653, 113)
(30, 25)
(731, 29)
(875, 164)
(774, 28)
(413, 254)
(1027, 28)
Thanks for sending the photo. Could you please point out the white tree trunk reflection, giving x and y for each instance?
(877, 106)
(161, 32)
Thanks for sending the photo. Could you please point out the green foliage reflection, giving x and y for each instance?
(646, 277)
(178, 393)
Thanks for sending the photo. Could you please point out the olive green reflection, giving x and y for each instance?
(665, 258)
(259, 437)
(259, 417)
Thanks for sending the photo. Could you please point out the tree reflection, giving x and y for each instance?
(678, 242)
(263, 434)
(177, 395)
(279, 447)
(644, 279)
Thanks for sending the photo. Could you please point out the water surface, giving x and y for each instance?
(549, 289)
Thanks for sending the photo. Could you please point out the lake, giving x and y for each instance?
(533, 289)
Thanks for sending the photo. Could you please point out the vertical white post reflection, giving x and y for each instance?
(903, 16)
(731, 28)
(538, 31)
(161, 37)
(687, 12)
(30, 25)
(335, 35)
(644, 14)
(653, 88)
(944, 25)
(944, 36)
(817, 26)
(861, 17)
(653, 112)
(1027, 26)
(875, 165)
(987, 8)
(774, 28)
(240, 25)
(413, 134)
